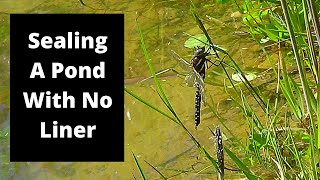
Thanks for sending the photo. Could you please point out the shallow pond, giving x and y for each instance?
(148, 134)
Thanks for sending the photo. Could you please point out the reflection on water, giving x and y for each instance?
(148, 134)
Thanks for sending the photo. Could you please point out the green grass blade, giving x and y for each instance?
(312, 51)
(200, 24)
(297, 154)
(149, 105)
(163, 177)
(84, 4)
(159, 87)
(291, 100)
(315, 19)
(240, 165)
(81, 1)
(139, 167)
(238, 6)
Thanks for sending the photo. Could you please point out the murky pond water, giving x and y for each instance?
(148, 134)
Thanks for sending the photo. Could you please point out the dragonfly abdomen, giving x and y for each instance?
(197, 105)
(219, 148)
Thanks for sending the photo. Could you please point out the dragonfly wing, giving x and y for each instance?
(185, 65)
(198, 78)
(193, 77)
(190, 79)
(203, 96)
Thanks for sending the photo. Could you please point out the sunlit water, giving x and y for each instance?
(151, 136)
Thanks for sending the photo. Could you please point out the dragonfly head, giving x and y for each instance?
(199, 50)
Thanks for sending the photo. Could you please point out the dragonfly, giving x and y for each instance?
(219, 148)
(195, 78)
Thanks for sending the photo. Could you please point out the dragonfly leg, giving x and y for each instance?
(161, 73)
(217, 62)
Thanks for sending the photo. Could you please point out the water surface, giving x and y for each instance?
(148, 134)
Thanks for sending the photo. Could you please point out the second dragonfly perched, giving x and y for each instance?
(195, 77)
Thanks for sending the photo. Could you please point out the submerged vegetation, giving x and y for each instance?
(283, 135)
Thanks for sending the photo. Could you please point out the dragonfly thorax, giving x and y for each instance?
(199, 51)
(198, 64)
(198, 60)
